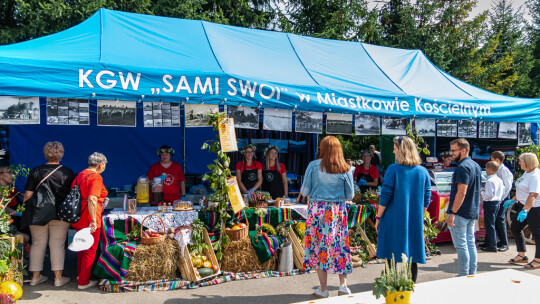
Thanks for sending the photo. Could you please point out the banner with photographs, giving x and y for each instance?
(508, 130)
(394, 126)
(309, 122)
(67, 111)
(524, 134)
(487, 129)
(244, 117)
(197, 114)
(339, 123)
(161, 114)
(367, 125)
(19, 110)
(467, 128)
(277, 120)
(424, 126)
(447, 128)
(116, 113)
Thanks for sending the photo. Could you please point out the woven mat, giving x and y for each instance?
(161, 285)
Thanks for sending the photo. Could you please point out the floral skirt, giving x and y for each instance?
(326, 239)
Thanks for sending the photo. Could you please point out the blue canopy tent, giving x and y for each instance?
(139, 57)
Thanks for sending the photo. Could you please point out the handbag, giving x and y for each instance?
(70, 209)
(40, 208)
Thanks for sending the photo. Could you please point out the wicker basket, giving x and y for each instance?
(259, 204)
(153, 240)
(238, 234)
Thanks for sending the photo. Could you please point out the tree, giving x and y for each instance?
(534, 40)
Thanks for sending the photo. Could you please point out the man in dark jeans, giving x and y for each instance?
(464, 205)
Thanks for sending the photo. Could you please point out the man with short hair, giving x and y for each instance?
(464, 206)
(508, 179)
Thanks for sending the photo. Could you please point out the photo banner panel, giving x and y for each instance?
(309, 122)
(524, 134)
(467, 128)
(277, 120)
(197, 114)
(508, 130)
(487, 129)
(68, 111)
(447, 128)
(425, 126)
(116, 113)
(339, 123)
(19, 110)
(367, 125)
(244, 117)
(394, 126)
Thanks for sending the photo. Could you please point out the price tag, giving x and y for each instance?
(227, 136)
(235, 196)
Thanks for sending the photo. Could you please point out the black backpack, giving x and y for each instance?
(70, 209)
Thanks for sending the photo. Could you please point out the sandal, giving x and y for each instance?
(523, 260)
(532, 266)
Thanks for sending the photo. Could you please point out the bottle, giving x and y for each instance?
(169, 207)
(160, 208)
(379, 190)
(157, 190)
(143, 190)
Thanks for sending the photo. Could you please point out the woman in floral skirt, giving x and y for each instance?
(328, 183)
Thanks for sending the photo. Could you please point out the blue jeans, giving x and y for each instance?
(500, 226)
(463, 239)
(490, 213)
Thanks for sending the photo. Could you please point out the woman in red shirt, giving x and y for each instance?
(366, 172)
(172, 175)
(249, 171)
(93, 193)
(274, 174)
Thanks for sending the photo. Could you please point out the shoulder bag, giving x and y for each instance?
(70, 209)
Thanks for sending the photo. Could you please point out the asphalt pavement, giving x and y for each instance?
(269, 290)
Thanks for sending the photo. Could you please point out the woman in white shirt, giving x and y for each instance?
(528, 207)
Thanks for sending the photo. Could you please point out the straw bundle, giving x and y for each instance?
(239, 256)
(155, 262)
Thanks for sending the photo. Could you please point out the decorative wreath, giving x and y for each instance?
(168, 150)
(252, 146)
(271, 147)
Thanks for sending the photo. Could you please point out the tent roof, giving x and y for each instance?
(238, 65)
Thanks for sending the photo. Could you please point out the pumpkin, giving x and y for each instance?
(11, 288)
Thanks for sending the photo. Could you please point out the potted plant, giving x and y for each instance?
(395, 285)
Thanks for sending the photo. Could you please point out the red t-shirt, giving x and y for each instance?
(93, 185)
(373, 171)
(241, 166)
(281, 168)
(171, 186)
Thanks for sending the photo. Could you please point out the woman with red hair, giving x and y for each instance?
(328, 183)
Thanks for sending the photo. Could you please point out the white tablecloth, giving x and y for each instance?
(300, 208)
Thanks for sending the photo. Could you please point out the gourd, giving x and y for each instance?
(204, 272)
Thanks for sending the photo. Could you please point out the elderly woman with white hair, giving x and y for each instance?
(93, 194)
(527, 210)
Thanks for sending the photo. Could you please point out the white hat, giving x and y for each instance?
(82, 240)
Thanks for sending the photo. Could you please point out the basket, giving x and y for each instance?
(238, 234)
(190, 273)
(258, 204)
(153, 240)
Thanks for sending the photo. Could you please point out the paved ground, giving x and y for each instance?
(270, 290)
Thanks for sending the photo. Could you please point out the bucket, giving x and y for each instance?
(286, 261)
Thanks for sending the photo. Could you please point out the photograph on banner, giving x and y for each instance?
(244, 117)
(116, 113)
(367, 125)
(508, 130)
(277, 120)
(19, 110)
(338, 123)
(467, 128)
(282, 144)
(65, 111)
(424, 126)
(227, 135)
(161, 114)
(447, 128)
(487, 129)
(197, 114)
(394, 126)
(524, 134)
(309, 122)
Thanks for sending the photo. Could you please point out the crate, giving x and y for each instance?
(298, 249)
(10, 274)
(190, 273)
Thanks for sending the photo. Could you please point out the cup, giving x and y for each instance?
(132, 206)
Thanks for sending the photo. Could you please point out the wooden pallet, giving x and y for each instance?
(190, 273)
(298, 249)
(371, 249)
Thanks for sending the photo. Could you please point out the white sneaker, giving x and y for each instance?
(343, 291)
(321, 294)
(39, 280)
(63, 281)
(91, 284)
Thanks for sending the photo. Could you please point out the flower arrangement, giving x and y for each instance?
(370, 196)
(270, 148)
(393, 280)
(168, 150)
(249, 146)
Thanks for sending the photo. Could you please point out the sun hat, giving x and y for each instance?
(82, 240)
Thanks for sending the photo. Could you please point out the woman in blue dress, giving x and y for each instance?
(405, 195)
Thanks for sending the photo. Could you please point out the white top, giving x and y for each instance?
(494, 189)
(528, 183)
(507, 177)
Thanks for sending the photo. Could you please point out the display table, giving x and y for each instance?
(502, 286)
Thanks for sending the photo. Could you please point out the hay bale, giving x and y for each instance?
(239, 256)
(155, 262)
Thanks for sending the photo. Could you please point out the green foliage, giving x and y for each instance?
(430, 233)
(266, 228)
(135, 233)
(421, 146)
(354, 146)
(393, 279)
(5, 218)
(198, 244)
(218, 182)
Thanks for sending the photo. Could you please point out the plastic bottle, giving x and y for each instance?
(143, 190)
(169, 207)
(160, 208)
(157, 190)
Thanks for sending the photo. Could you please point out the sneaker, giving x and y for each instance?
(39, 280)
(91, 284)
(63, 281)
(321, 294)
(488, 249)
(343, 291)
(502, 248)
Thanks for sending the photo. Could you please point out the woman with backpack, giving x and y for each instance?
(93, 194)
(51, 181)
